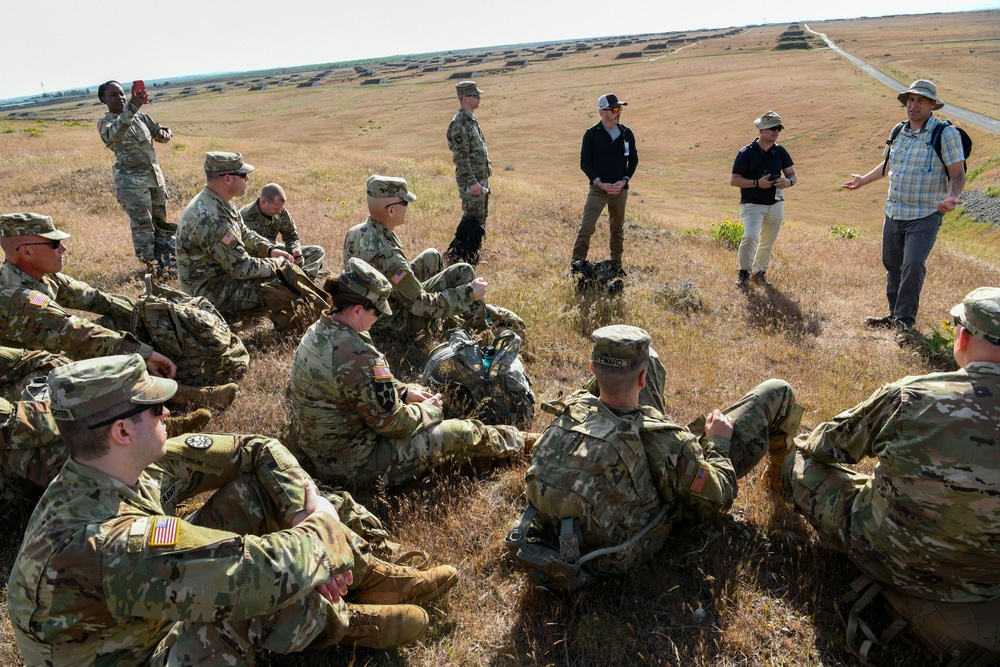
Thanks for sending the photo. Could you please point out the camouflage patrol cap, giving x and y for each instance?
(30, 224)
(464, 88)
(385, 187)
(979, 312)
(84, 388)
(768, 121)
(365, 280)
(620, 346)
(218, 162)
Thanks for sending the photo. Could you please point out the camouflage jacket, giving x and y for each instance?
(17, 364)
(215, 247)
(36, 316)
(104, 570)
(928, 520)
(30, 446)
(130, 135)
(345, 399)
(270, 227)
(468, 151)
(379, 246)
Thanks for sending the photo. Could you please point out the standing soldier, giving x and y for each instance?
(472, 173)
(141, 190)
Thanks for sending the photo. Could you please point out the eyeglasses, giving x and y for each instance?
(243, 176)
(156, 409)
(476, 96)
(775, 129)
(378, 313)
(612, 109)
(401, 203)
(54, 244)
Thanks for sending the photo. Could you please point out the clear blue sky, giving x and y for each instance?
(72, 44)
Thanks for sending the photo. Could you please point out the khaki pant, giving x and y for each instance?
(597, 200)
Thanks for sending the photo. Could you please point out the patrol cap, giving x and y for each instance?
(467, 88)
(921, 87)
(979, 312)
(84, 388)
(620, 346)
(385, 187)
(363, 279)
(609, 100)
(218, 162)
(768, 121)
(30, 224)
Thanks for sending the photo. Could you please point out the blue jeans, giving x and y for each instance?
(906, 244)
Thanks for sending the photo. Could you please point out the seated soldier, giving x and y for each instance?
(422, 291)
(922, 526)
(610, 476)
(107, 574)
(268, 217)
(34, 296)
(352, 418)
(19, 366)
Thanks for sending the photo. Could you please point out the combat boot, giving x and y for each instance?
(742, 277)
(760, 278)
(389, 584)
(190, 423)
(217, 397)
(384, 626)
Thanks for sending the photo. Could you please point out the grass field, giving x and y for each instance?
(766, 590)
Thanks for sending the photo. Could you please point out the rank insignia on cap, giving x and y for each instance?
(38, 299)
(398, 276)
(164, 532)
(382, 373)
(198, 441)
(699, 480)
(228, 238)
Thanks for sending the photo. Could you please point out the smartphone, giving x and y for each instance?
(139, 88)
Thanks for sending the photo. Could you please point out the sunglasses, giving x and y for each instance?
(243, 176)
(156, 409)
(401, 203)
(54, 244)
(776, 129)
(957, 321)
(613, 109)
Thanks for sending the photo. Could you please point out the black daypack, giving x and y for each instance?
(934, 141)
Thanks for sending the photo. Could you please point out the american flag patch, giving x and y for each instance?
(228, 238)
(164, 532)
(699, 480)
(382, 373)
(398, 276)
(38, 299)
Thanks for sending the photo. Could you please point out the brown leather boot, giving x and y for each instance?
(384, 626)
(190, 423)
(390, 584)
(217, 397)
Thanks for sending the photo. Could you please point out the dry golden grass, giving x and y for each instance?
(767, 590)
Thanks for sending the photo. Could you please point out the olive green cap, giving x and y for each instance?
(979, 312)
(365, 280)
(464, 88)
(386, 187)
(620, 346)
(30, 224)
(218, 162)
(84, 388)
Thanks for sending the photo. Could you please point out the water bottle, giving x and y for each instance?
(488, 353)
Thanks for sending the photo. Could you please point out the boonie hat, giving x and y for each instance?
(768, 121)
(218, 162)
(84, 388)
(30, 224)
(467, 88)
(979, 312)
(608, 101)
(385, 187)
(921, 87)
(365, 280)
(620, 346)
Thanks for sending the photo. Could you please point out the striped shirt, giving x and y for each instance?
(917, 178)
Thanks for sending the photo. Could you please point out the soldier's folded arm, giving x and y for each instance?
(702, 479)
(853, 434)
(386, 414)
(115, 131)
(73, 293)
(154, 128)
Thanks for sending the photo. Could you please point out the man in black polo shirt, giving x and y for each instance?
(608, 157)
(757, 172)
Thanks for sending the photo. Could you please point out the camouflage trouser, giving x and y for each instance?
(147, 213)
(473, 206)
(18, 367)
(312, 259)
(241, 506)
(824, 493)
(767, 418)
(428, 268)
(31, 450)
(239, 298)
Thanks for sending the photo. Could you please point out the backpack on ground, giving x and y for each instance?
(191, 333)
(606, 276)
(935, 141)
(293, 301)
(487, 382)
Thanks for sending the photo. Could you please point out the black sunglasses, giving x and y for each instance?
(156, 409)
(403, 203)
(54, 244)
(233, 173)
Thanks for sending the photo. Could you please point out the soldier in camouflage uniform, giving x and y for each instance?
(357, 422)
(421, 291)
(924, 523)
(139, 182)
(218, 256)
(107, 574)
(610, 473)
(19, 366)
(268, 217)
(472, 173)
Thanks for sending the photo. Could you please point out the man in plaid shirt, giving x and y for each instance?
(921, 190)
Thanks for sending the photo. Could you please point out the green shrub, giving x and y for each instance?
(728, 233)
(939, 347)
(33, 131)
(845, 232)
(179, 147)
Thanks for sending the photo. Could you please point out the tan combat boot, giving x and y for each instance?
(384, 626)
(217, 397)
(397, 584)
(192, 423)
